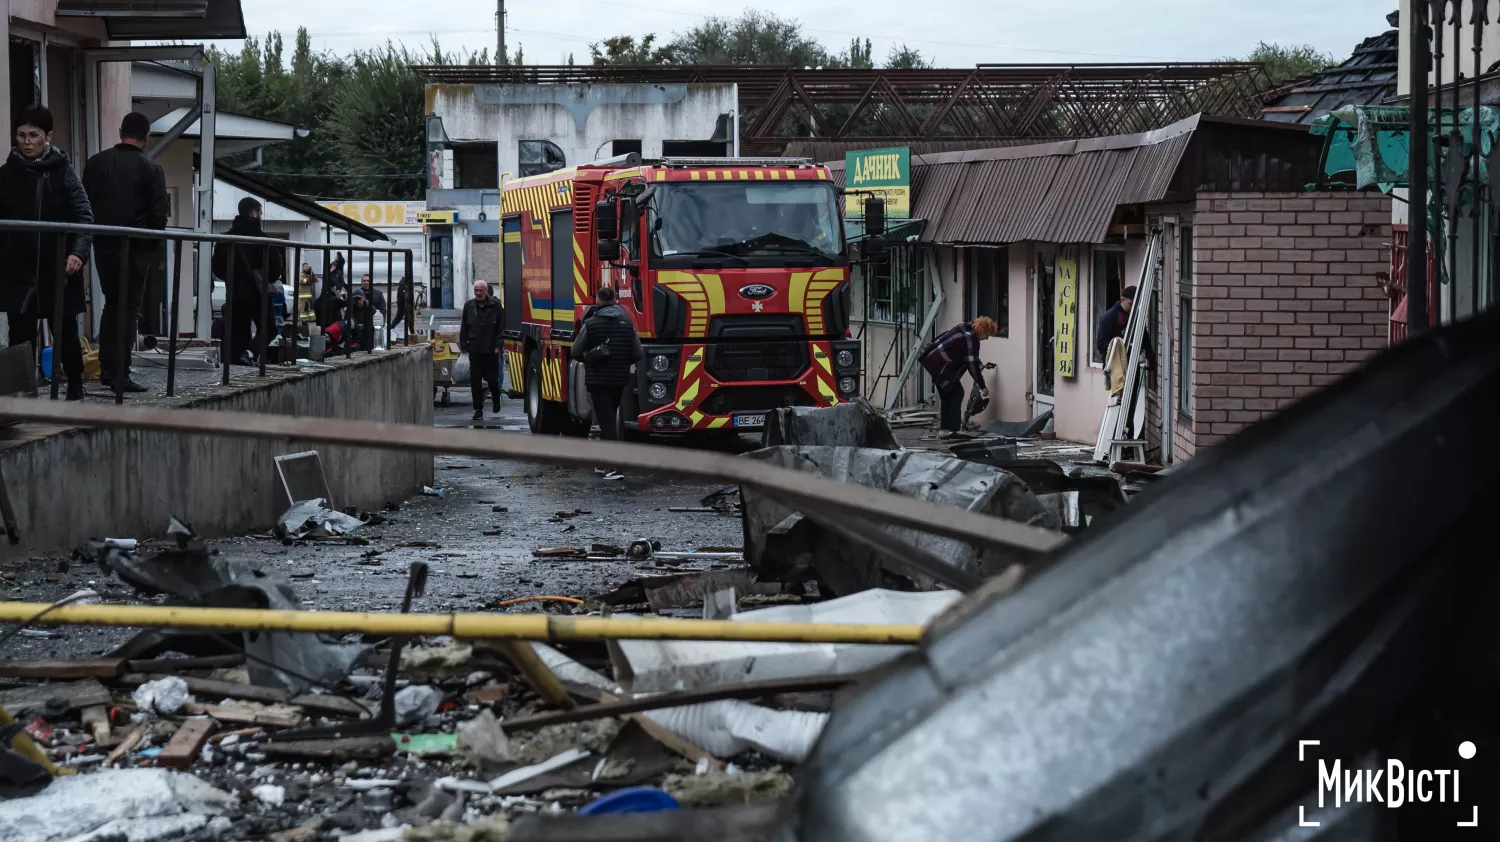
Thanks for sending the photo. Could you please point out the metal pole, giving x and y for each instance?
(122, 343)
(1416, 245)
(294, 307)
(411, 312)
(263, 329)
(226, 346)
(176, 292)
(1437, 17)
(390, 269)
(57, 311)
(1456, 150)
(501, 59)
(1481, 17)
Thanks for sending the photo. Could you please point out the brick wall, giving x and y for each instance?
(1285, 300)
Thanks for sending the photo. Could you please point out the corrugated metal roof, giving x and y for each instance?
(1063, 192)
(1368, 77)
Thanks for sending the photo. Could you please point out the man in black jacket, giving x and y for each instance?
(479, 337)
(37, 183)
(128, 189)
(608, 346)
(1112, 324)
(255, 269)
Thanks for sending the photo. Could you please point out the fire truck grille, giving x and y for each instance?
(739, 362)
(754, 399)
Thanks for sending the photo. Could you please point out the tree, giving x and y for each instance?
(1286, 64)
(859, 56)
(625, 49)
(902, 57)
(755, 37)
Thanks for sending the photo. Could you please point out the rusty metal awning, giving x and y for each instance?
(130, 20)
(292, 201)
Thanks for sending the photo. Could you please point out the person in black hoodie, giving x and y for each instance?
(37, 183)
(608, 346)
(329, 308)
(128, 189)
(479, 337)
(256, 268)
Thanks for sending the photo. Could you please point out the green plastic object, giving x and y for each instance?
(426, 744)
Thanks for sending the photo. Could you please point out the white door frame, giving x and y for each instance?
(1041, 403)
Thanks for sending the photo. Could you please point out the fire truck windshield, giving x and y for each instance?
(746, 220)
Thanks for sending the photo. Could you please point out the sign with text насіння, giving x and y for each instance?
(884, 173)
(1066, 352)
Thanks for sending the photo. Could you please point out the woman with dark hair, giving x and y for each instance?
(38, 183)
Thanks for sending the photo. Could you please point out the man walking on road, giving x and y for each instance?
(608, 346)
(127, 189)
(947, 358)
(479, 337)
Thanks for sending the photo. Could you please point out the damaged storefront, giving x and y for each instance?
(1261, 291)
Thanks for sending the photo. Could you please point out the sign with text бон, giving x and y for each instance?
(883, 173)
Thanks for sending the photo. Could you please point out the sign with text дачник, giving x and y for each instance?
(884, 173)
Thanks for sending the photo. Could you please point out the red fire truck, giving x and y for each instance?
(733, 269)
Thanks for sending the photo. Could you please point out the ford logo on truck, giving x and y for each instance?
(757, 291)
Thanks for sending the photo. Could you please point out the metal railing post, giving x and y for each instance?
(55, 328)
(294, 307)
(176, 293)
(411, 312)
(122, 341)
(262, 330)
(226, 345)
(1417, 246)
(390, 269)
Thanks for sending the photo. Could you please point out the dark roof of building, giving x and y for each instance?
(1366, 78)
(134, 20)
(816, 149)
(1067, 192)
(291, 201)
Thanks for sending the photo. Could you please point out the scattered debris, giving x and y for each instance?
(313, 519)
(851, 424)
(114, 804)
(420, 545)
(425, 663)
(560, 552)
(429, 491)
(186, 744)
(500, 510)
(483, 744)
(270, 794)
(414, 704)
(712, 789)
(782, 545)
(1018, 429)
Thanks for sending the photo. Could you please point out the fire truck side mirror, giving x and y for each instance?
(607, 220)
(609, 251)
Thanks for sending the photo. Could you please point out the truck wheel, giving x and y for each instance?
(544, 417)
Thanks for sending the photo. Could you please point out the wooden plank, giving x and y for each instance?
(241, 733)
(126, 745)
(350, 748)
(182, 750)
(64, 670)
(207, 689)
(282, 717)
(751, 690)
(77, 694)
(177, 666)
(96, 721)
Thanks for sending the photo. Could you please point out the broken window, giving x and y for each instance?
(988, 273)
(540, 156)
(1107, 283)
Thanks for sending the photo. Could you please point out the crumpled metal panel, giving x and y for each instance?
(780, 545)
(190, 576)
(851, 424)
(1298, 582)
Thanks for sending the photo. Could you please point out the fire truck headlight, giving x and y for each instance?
(845, 358)
(658, 390)
(847, 385)
(660, 363)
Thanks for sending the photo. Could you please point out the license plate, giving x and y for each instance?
(749, 420)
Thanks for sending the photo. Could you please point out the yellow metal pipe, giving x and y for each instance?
(467, 626)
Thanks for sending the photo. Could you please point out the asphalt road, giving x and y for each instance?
(470, 569)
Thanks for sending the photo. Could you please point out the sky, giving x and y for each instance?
(954, 33)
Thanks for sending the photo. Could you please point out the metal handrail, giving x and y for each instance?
(178, 237)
